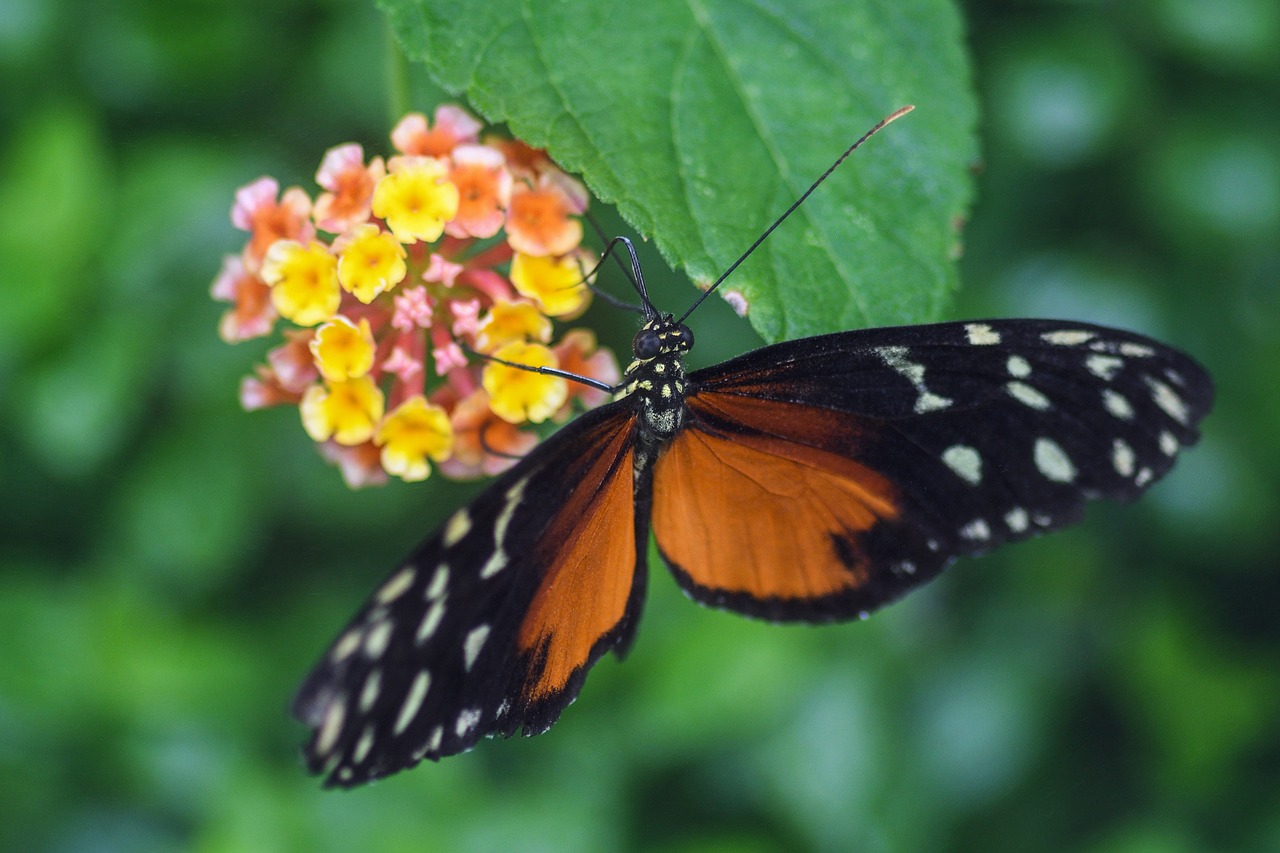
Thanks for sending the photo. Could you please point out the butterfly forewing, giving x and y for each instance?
(888, 452)
(491, 624)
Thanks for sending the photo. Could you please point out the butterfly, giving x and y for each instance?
(813, 480)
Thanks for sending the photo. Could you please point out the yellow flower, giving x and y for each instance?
(342, 350)
(304, 281)
(517, 395)
(556, 284)
(511, 321)
(415, 430)
(347, 412)
(416, 199)
(370, 261)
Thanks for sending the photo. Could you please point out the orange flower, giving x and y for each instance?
(252, 314)
(540, 218)
(578, 352)
(257, 211)
(454, 126)
(350, 188)
(483, 443)
(484, 190)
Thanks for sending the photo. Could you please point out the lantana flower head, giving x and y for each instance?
(399, 286)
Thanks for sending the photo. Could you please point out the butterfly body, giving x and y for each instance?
(812, 480)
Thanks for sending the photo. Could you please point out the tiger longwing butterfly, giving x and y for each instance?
(813, 480)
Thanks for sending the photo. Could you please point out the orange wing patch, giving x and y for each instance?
(590, 548)
(765, 499)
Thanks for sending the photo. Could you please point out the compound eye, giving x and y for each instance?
(646, 345)
(685, 337)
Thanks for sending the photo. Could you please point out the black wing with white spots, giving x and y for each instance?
(989, 431)
(465, 639)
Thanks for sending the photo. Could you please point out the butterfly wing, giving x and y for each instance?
(490, 626)
(821, 478)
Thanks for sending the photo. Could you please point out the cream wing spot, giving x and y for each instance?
(1067, 337)
(1017, 519)
(1122, 457)
(334, 716)
(376, 640)
(473, 644)
(467, 721)
(396, 586)
(430, 621)
(458, 526)
(413, 701)
(965, 461)
(1028, 396)
(1052, 461)
(1168, 443)
(1117, 404)
(1134, 350)
(1018, 366)
(439, 581)
(1165, 397)
(1105, 367)
(344, 647)
(369, 693)
(363, 745)
(980, 334)
(976, 530)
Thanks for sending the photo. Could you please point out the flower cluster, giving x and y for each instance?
(393, 276)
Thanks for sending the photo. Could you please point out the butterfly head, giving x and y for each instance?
(662, 336)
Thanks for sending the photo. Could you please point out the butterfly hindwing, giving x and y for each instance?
(832, 474)
(490, 626)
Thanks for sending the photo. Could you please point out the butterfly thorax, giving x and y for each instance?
(655, 378)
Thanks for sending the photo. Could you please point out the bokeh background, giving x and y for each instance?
(169, 566)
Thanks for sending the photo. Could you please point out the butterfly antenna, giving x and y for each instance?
(790, 210)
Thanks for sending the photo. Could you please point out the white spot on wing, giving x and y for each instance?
(1017, 519)
(1066, 337)
(467, 721)
(375, 641)
(413, 701)
(363, 745)
(926, 401)
(977, 530)
(369, 694)
(473, 644)
(1028, 396)
(1136, 350)
(1165, 397)
(965, 461)
(439, 581)
(430, 621)
(457, 527)
(1105, 367)
(396, 586)
(1053, 462)
(980, 334)
(1168, 443)
(344, 647)
(1122, 457)
(1117, 404)
(1144, 477)
(332, 726)
(1018, 366)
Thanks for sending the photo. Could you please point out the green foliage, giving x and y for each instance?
(703, 122)
(170, 566)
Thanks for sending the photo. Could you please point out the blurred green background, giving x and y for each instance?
(170, 566)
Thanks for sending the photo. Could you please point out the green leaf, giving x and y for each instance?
(703, 120)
